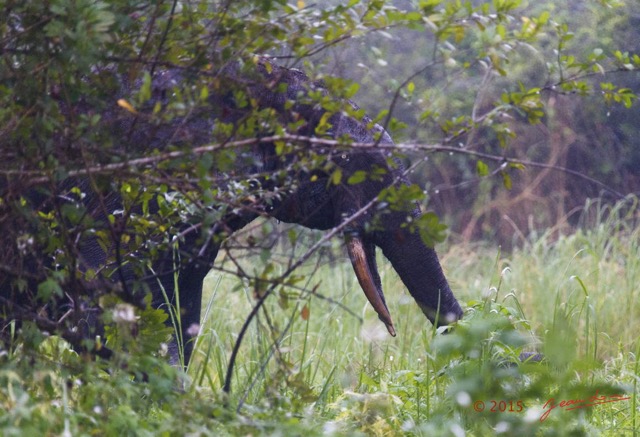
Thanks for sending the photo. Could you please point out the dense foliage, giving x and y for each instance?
(487, 98)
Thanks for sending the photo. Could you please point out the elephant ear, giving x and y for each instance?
(361, 255)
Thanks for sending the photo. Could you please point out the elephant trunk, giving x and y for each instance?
(419, 268)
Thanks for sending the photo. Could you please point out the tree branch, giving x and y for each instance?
(39, 177)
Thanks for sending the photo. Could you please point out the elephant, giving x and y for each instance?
(278, 186)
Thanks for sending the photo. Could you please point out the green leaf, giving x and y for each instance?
(410, 88)
(431, 230)
(413, 16)
(482, 168)
(357, 177)
(506, 180)
(145, 90)
(336, 176)
(48, 289)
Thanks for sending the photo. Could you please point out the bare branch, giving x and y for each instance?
(38, 177)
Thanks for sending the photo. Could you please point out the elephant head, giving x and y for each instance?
(317, 203)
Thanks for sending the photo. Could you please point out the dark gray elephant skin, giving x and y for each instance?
(314, 201)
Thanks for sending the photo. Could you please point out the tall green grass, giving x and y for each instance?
(574, 298)
(591, 276)
(317, 361)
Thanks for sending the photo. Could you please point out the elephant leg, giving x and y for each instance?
(190, 279)
(182, 287)
(178, 290)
